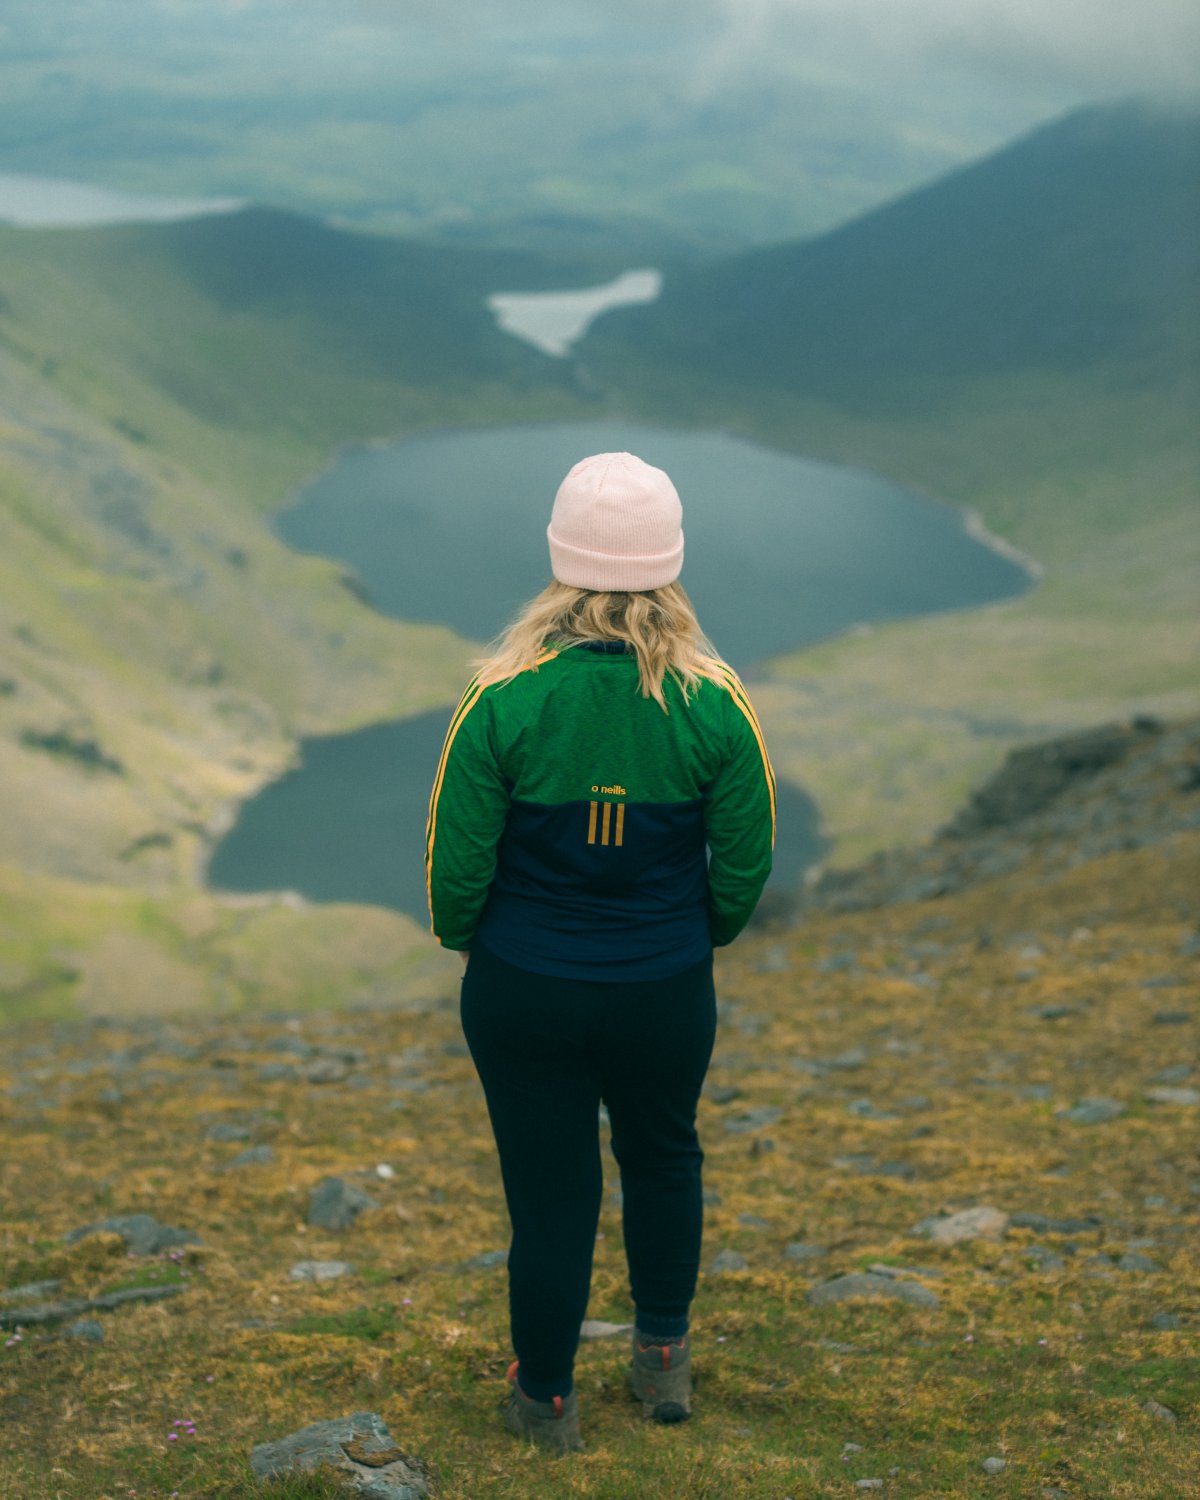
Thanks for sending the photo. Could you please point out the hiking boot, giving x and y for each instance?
(661, 1378)
(553, 1425)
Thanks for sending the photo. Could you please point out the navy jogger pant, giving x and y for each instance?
(548, 1051)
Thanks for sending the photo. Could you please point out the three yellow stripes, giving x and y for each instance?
(606, 822)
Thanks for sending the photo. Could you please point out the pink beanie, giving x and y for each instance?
(616, 526)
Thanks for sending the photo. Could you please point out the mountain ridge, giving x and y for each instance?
(1071, 247)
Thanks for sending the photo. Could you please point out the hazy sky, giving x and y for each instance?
(800, 112)
(1091, 47)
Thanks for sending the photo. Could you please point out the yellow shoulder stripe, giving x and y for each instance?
(475, 691)
(732, 684)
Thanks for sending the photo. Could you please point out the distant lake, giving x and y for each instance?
(450, 528)
(31, 202)
(552, 321)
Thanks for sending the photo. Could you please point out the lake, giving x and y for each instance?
(31, 202)
(449, 527)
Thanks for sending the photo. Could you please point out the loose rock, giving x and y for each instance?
(597, 1328)
(143, 1234)
(360, 1449)
(320, 1270)
(728, 1260)
(1173, 1096)
(1092, 1111)
(865, 1284)
(800, 1250)
(335, 1204)
(86, 1328)
(994, 1466)
(980, 1223)
(487, 1260)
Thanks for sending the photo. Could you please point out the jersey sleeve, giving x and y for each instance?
(467, 812)
(739, 818)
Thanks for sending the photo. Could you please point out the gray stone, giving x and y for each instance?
(277, 1072)
(320, 1270)
(722, 1093)
(1157, 1409)
(1092, 1111)
(903, 1273)
(597, 1328)
(143, 1234)
(800, 1250)
(868, 1484)
(753, 1119)
(1176, 1073)
(994, 1465)
(1132, 1260)
(853, 1448)
(335, 1203)
(326, 1070)
(1043, 1257)
(30, 1291)
(487, 1260)
(753, 1221)
(253, 1156)
(1171, 1017)
(59, 1312)
(294, 1045)
(864, 1109)
(86, 1328)
(1048, 1224)
(846, 1062)
(1053, 1012)
(228, 1130)
(981, 1223)
(864, 1284)
(1166, 1322)
(728, 1260)
(360, 1450)
(1168, 1095)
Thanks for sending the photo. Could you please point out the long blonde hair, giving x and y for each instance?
(660, 625)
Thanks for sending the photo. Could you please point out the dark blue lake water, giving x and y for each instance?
(450, 527)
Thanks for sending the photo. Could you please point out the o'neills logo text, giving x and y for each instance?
(611, 791)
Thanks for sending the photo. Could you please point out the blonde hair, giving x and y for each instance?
(660, 625)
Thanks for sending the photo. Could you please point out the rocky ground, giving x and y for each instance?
(953, 1223)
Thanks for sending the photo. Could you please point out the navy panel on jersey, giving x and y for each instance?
(572, 877)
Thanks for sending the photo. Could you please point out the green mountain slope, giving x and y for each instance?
(1020, 339)
(1071, 248)
(162, 389)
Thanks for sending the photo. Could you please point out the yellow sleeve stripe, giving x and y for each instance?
(737, 692)
(467, 702)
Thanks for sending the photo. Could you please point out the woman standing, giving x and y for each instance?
(603, 817)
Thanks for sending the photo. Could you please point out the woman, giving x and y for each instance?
(599, 753)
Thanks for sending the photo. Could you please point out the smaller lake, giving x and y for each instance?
(552, 321)
(451, 528)
(31, 202)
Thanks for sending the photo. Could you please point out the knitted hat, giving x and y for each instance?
(616, 526)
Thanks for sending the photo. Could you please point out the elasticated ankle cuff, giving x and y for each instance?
(662, 1328)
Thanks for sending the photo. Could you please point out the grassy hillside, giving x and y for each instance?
(1018, 340)
(160, 651)
(873, 1071)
